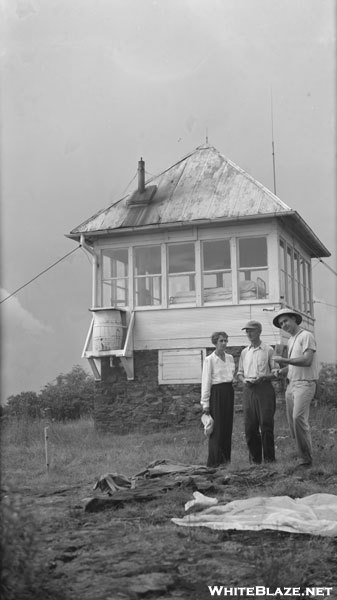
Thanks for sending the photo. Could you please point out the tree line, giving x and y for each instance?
(69, 397)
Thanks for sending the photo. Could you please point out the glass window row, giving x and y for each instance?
(143, 272)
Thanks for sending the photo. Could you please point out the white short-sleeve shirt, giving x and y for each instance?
(297, 345)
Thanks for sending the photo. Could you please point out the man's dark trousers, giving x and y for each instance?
(259, 406)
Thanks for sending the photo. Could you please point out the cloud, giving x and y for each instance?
(16, 318)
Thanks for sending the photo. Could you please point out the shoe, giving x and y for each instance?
(305, 464)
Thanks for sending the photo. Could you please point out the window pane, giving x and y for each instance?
(115, 263)
(282, 285)
(217, 287)
(282, 261)
(181, 289)
(252, 252)
(216, 255)
(290, 276)
(297, 280)
(304, 287)
(147, 260)
(253, 284)
(148, 291)
(115, 277)
(289, 261)
(181, 258)
(115, 292)
(308, 285)
(296, 266)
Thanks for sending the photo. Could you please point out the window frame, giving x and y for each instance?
(105, 280)
(150, 276)
(189, 303)
(303, 283)
(223, 271)
(239, 269)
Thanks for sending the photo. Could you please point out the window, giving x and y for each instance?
(289, 266)
(181, 273)
(303, 285)
(308, 288)
(253, 268)
(283, 293)
(147, 276)
(297, 278)
(217, 275)
(115, 277)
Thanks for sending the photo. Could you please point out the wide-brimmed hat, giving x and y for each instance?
(287, 311)
(253, 325)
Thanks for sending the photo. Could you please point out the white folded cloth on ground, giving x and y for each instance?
(315, 514)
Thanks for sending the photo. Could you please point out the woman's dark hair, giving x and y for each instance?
(216, 335)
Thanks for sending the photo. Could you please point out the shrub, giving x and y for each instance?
(327, 384)
(22, 575)
(70, 397)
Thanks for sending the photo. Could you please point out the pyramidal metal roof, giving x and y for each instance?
(204, 186)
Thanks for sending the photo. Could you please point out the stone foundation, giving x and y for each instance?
(123, 406)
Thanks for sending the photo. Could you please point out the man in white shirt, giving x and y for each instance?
(302, 373)
(259, 404)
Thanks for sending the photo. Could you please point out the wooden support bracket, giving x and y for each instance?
(127, 362)
(96, 373)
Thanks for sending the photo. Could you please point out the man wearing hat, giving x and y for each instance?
(255, 371)
(302, 374)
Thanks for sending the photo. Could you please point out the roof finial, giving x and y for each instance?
(207, 135)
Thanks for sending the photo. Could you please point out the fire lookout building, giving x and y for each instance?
(201, 247)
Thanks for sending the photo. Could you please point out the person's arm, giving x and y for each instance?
(299, 361)
(272, 366)
(231, 359)
(206, 384)
(239, 374)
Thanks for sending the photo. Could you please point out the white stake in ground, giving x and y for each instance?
(46, 447)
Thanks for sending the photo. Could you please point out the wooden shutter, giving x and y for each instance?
(180, 366)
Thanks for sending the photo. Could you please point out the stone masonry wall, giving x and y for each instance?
(124, 406)
(142, 404)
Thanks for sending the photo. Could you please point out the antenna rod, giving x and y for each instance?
(272, 140)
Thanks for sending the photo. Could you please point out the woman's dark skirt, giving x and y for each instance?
(221, 408)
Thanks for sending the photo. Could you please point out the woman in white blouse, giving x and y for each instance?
(217, 399)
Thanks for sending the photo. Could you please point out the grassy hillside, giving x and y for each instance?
(52, 549)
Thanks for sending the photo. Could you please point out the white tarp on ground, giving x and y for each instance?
(315, 514)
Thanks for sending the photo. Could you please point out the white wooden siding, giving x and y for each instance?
(180, 366)
(193, 327)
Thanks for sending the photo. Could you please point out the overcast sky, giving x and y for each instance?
(90, 86)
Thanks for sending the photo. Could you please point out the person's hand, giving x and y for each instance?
(276, 372)
(279, 359)
(249, 382)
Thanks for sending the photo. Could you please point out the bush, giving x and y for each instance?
(327, 384)
(22, 575)
(70, 397)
